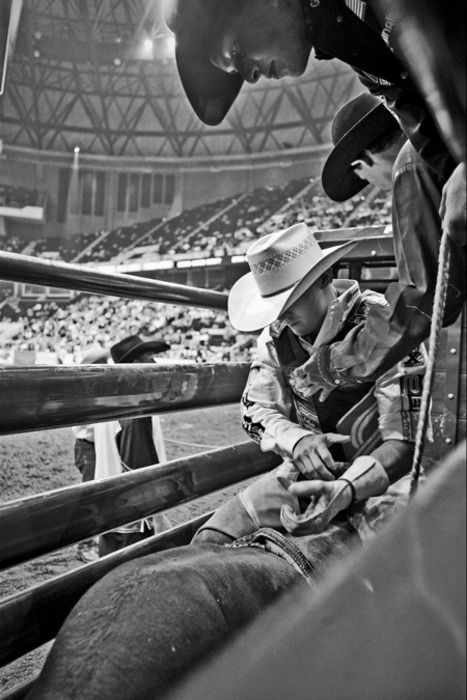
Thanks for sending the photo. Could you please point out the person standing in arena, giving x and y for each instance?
(85, 453)
(130, 444)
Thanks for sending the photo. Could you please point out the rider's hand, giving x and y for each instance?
(312, 457)
(327, 499)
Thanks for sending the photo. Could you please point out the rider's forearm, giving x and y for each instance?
(395, 456)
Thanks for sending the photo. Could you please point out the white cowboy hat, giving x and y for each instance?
(283, 265)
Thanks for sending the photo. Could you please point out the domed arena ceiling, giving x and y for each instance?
(101, 76)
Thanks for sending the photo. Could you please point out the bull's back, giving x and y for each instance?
(148, 621)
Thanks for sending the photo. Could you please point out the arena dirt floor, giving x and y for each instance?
(32, 463)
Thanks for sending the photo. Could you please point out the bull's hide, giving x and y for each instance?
(149, 620)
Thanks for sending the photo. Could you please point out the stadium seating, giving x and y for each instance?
(224, 227)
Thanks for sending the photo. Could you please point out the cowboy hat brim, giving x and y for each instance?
(338, 178)
(249, 311)
(210, 91)
(156, 346)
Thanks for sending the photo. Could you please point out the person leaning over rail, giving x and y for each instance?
(337, 453)
(369, 147)
(222, 43)
(130, 443)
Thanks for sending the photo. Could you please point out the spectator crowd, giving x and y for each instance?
(60, 333)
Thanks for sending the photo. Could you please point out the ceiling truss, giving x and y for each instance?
(65, 89)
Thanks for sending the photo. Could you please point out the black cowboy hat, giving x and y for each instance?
(355, 127)
(129, 348)
(211, 91)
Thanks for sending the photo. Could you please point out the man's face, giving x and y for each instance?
(376, 168)
(376, 173)
(306, 315)
(261, 38)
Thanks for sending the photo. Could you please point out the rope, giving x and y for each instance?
(439, 304)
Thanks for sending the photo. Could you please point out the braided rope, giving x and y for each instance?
(439, 304)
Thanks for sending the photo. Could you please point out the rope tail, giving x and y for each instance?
(439, 304)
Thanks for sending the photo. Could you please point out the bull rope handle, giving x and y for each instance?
(439, 304)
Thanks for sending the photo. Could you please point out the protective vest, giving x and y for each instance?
(350, 410)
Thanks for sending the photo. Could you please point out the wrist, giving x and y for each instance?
(290, 440)
(348, 491)
(368, 477)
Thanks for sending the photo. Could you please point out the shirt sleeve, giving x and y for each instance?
(267, 406)
(158, 438)
(409, 107)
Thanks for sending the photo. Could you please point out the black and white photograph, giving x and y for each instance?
(233, 350)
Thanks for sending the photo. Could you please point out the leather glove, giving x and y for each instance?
(366, 477)
(327, 499)
(263, 498)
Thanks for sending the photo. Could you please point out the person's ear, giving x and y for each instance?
(362, 166)
(357, 164)
(367, 157)
(365, 160)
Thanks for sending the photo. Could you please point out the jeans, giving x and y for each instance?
(85, 458)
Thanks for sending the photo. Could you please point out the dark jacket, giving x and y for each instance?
(336, 32)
